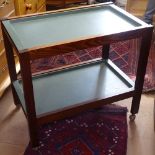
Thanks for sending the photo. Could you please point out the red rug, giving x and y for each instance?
(123, 54)
(97, 132)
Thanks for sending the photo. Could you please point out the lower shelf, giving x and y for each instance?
(76, 86)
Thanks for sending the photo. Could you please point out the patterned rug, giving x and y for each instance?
(123, 54)
(97, 132)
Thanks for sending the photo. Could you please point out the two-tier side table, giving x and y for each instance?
(71, 89)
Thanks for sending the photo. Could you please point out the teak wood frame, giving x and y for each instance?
(145, 33)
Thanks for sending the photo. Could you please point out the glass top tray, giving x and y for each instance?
(68, 26)
(72, 87)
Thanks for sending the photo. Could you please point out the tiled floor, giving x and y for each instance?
(14, 132)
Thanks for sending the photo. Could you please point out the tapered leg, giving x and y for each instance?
(141, 69)
(105, 51)
(11, 64)
(29, 97)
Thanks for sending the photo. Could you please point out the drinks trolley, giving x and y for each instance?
(75, 88)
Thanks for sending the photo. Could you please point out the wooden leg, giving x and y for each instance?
(29, 97)
(11, 64)
(141, 69)
(105, 51)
